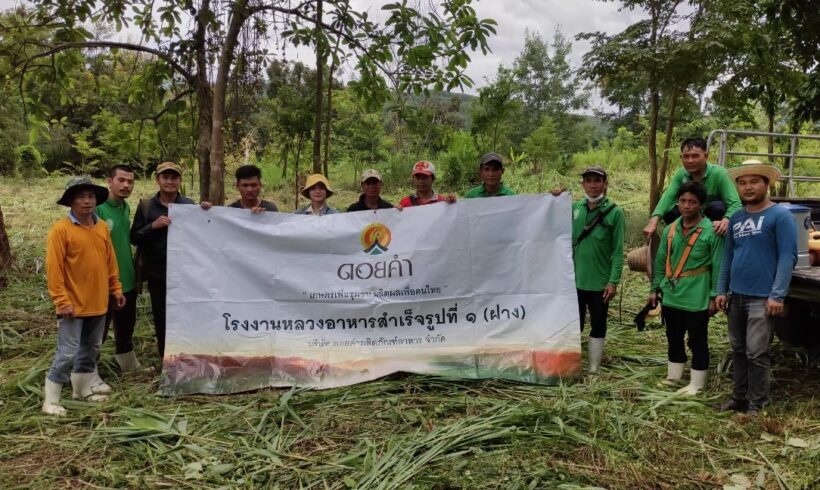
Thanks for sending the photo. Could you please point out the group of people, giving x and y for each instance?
(94, 279)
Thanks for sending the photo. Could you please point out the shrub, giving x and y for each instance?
(30, 162)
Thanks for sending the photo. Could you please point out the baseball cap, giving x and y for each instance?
(424, 168)
(491, 157)
(594, 169)
(371, 173)
(168, 167)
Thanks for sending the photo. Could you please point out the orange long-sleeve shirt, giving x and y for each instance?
(81, 267)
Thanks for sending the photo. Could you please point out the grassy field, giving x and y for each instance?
(618, 429)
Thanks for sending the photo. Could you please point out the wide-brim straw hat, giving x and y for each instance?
(314, 179)
(755, 167)
(642, 258)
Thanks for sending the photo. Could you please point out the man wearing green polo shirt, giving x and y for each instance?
(685, 279)
(598, 254)
(490, 169)
(116, 213)
(722, 200)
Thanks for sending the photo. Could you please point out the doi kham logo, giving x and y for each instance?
(375, 238)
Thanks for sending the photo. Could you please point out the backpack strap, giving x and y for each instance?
(592, 224)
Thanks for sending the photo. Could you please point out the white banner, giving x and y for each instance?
(480, 288)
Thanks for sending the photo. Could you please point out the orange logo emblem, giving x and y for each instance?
(375, 238)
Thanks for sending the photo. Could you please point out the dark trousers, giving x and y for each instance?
(714, 210)
(156, 288)
(594, 301)
(124, 321)
(750, 333)
(679, 323)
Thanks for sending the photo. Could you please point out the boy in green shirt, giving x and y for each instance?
(598, 255)
(685, 279)
(116, 213)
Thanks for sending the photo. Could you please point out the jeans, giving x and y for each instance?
(78, 345)
(750, 333)
(696, 324)
(124, 322)
(156, 287)
(594, 300)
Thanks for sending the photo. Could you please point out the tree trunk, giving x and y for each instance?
(5, 251)
(770, 116)
(203, 91)
(654, 191)
(320, 63)
(667, 143)
(329, 121)
(217, 188)
(296, 173)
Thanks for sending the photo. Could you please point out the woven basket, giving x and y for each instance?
(642, 258)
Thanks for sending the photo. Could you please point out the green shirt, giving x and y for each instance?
(691, 293)
(716, 181)
(599, 258)
(480, 192)
(117, 217)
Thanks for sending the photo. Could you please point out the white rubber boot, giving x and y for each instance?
(674, 372)
(697, 382)
(595, 350)
(51, 405)
(98, 386)
(128, 362)
(81, 384)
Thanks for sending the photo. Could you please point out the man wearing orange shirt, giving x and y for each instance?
(82, 271)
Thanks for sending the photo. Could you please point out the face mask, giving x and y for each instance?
(594, 200)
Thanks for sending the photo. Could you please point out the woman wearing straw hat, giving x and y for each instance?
(685, 277)
(317, 189)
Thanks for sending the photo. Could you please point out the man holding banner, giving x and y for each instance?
(598, 247)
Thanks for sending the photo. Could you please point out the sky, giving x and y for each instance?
(514, 19)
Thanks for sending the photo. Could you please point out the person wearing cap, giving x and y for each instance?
(597, 250)
(685, 279)
(317, 189)
(424, 175)
(370, 198)
(721, 195)
(490, 170)
(149, 232)
(760, 253)
(81, 269)
(249, 185)
(117, 215)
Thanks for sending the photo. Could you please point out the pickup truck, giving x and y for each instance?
(801, 323)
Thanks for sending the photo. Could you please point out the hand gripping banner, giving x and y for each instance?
(483, 288)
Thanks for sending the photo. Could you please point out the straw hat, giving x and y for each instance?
(642, 258)
(754, 167)
(314, 179)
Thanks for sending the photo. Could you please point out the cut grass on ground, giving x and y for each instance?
(619, 429)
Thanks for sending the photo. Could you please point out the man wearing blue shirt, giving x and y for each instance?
(761, 250)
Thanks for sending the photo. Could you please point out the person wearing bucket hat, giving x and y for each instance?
(684, 279)
(490, 170)
(149, 232)
(370, 199)
(317, 189)
(424, 176)
(760, 253)
(81, 271)
(597, 252)
(722, 198)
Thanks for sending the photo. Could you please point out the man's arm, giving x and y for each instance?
(667, 201)
(114, 284)
(728, 192)
(617, 258)
(786, 236)
(659, 267)
(717, 261)
(55, 269)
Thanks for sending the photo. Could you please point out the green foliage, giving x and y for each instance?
(542, 147)
(458, 164)
(29, 162)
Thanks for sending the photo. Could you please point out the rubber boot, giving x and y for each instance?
(51, 405)
(128, 362)
(697, 382)
(98, 386)
(674, 373)
(595, 350)
(81, 384)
